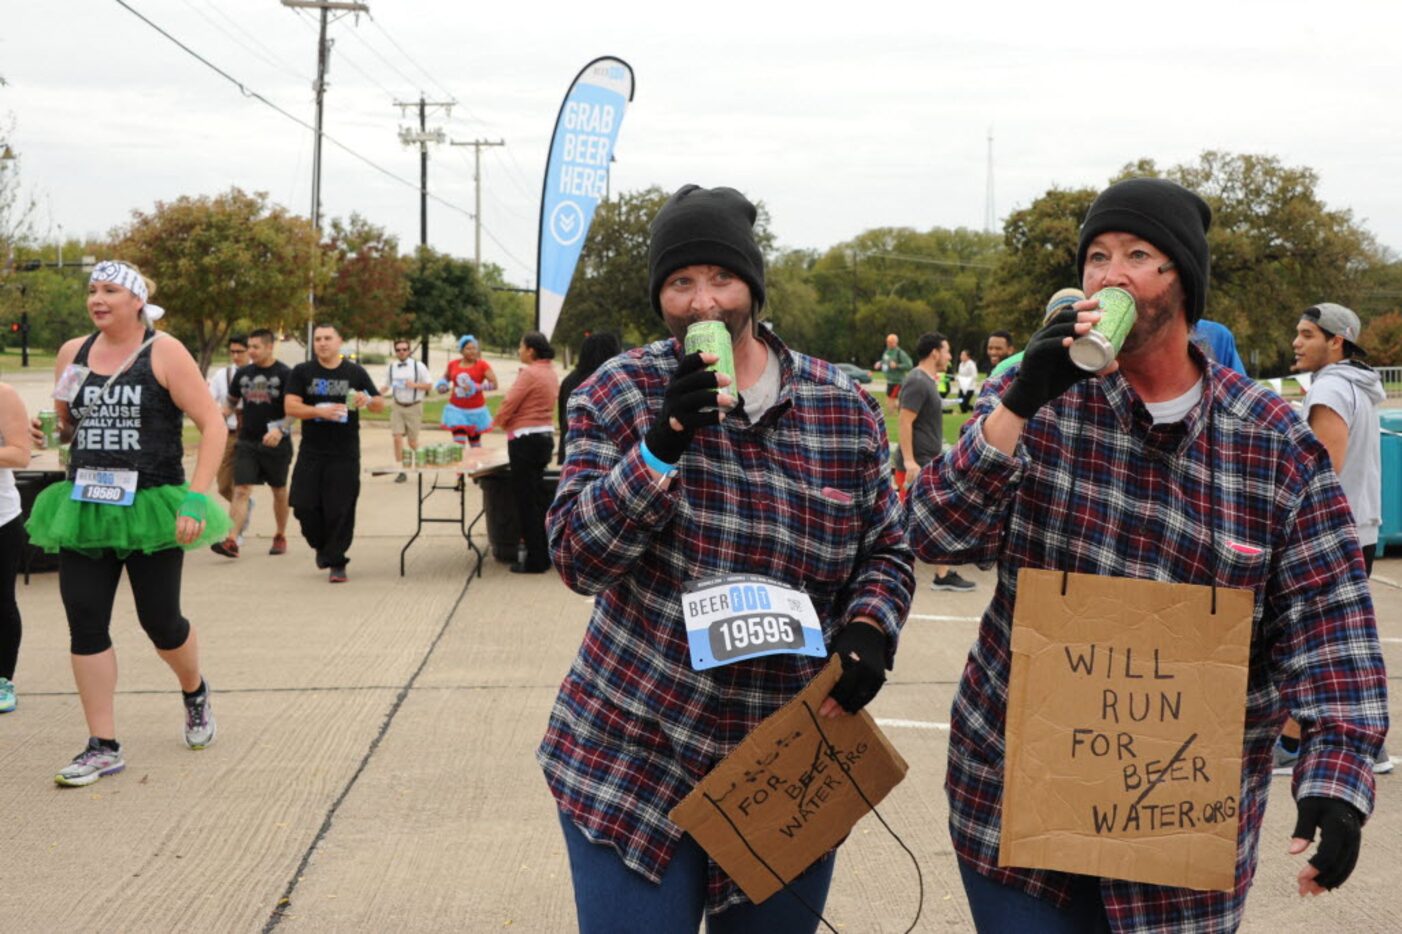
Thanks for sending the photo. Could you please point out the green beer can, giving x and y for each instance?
(48, 424)
(713, 337)
(407, 457)
(1098, 349)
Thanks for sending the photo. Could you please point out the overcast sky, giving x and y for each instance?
(841, 117)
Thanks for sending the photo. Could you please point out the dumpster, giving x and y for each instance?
(1391, 443)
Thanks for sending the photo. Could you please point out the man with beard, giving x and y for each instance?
(1168, 467)
(674, 476)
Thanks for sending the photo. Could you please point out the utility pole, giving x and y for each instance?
(423, 137)
(323, 59)
(477, 145)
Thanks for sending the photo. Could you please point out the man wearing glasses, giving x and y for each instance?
(409, 383)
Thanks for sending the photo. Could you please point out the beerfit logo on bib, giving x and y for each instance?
(109, 421)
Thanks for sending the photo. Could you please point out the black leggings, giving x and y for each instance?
(12, 542)
(529, 456)
(89, 586)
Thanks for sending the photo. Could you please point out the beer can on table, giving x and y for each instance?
(1098, 349)
(48, 423)
(407, 458)
(63, 456)
(713, 337)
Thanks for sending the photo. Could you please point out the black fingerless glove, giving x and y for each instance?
(1340, 835)
(862, 649)
(693, 388)
(1046, 370)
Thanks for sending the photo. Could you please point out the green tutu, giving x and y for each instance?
(94, 529)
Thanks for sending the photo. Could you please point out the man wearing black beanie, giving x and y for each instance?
(1169, 467)
(673, 479)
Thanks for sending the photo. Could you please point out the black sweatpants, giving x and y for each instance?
(12, 542)
(325, 488)
(89, 586)
(529, 456)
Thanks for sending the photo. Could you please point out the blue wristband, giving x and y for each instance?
(655, 462)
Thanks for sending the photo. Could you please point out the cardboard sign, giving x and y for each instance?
(1126, 705)
(791, 791)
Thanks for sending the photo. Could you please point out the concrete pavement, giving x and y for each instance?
(374, 766)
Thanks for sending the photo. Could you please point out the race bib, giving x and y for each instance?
(741, 616)
(108, 487)
(66, 389)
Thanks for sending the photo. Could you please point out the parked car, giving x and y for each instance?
(857, 374)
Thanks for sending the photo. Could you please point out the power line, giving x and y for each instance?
(431, 80)
(275, 59)
(376, 52)
(248, 92)
(285, 69)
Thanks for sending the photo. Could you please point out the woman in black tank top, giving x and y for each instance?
(121, 399)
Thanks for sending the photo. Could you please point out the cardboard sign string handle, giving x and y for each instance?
(831, 752)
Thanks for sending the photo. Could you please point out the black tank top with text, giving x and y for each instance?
(134, 425)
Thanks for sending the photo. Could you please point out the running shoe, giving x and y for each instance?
(90, 765)
(279, 545)
(1284, 760)
(1381, 765)
(338, 575)
(229, 548)
(7, 695)
(952, 581)
(199, 720)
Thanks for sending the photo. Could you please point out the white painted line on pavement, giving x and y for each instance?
(912, 724)
(944, 619)
(1389, 639)
(1385, 580)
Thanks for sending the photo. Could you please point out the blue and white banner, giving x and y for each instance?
(576, 177)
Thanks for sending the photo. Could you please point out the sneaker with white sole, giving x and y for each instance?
(1283, 760)
(199, 720)
(952, 581)
(91, 764)
(7, 695)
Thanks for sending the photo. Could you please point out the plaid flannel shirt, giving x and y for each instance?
(1095, 487)
(804, 497)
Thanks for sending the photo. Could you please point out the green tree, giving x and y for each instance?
(366, 294)
(1382, 338)
(513, 312)
(1276, 248)
(446, 296)
(1038, 258)
(231, 260)
(609, 289)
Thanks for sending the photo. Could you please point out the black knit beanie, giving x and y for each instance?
(1167, 215)
(705, 226)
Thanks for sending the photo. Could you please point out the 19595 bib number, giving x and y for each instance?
(745, 634)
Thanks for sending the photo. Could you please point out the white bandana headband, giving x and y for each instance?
(120, 274)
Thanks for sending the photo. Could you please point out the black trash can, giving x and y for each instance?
(503, 530)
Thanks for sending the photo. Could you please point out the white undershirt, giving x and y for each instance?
(1175, 410)
(760, 397)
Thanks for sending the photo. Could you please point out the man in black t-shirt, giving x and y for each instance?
(326, 393)
(263, 452)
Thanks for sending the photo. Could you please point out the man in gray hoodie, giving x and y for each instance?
(1342, 410)
(1341, 407)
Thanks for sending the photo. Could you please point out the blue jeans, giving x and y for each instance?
(613, 899)
(998, 908)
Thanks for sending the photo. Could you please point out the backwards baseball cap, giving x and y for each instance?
(1336, 320)
(705, 226)
(1167, 215)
